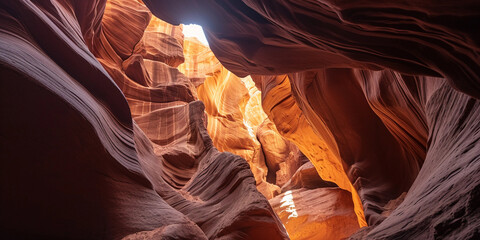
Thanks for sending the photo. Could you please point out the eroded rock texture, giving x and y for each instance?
(321, 213)
(102, 137)
(237, 124)
(312, 208)
(391, 89)
(261, 37)
(279, 103)
(233, 107)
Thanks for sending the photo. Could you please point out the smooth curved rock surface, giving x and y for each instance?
(363, 141)
(307, 177)
(401, 111)
(276, 37)
(281, 107)
(233, 108)
(444, 196)
(236, 119)
(282, 157)
(357, 72)
(321, 213)
(90, 170)
(184, 167)
(381, 97)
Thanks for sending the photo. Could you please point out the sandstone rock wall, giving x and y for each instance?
(102, 137)
(238, 124)
(391, 88)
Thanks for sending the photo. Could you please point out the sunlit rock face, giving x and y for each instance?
(106, 138)
(226, 100)
(238, 124)
(282, 157)
(166, 110)
(312, 208)
(236, 120)
(280, 105)
(103, 136)
(322, 213)
(391, 89)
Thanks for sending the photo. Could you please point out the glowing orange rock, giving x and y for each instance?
(108, 175)
(320, 213)
(163, 104)
(233, 109)
(281, 156)
(279, 104)
(236, 120)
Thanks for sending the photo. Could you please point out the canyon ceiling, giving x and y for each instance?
(325, 119)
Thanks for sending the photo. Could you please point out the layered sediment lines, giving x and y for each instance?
(238, 124)
(277, 37)
(321, 213)
(281, 107)
(233, 111)
(312, 208)
(102, 137)
(391, 88)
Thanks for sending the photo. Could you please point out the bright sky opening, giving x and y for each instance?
(194, 30)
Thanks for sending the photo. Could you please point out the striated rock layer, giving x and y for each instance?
(233, 108)
(280, 106)
(312, 208)
(74, 162)
(277, 37)
(322, 213)
(237, 124)
(103, 137)
(390, 88)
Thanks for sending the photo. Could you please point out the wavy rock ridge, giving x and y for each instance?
(117, 146)
(392, 89)
(237, 124)
(103, 137)
(234, 112)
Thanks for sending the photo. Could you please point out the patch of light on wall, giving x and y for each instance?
(287, 202)
(249, 128)
(194, 30)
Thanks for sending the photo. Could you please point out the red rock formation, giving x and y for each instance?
(178, 135)
(312, 208)
(227, 99)
(281, 156)
(383, 98)
(75, 164)
(362, 140)
(276, 37)
(357, 71)
(235, 123)
(399, 102)
(279, 103)
(441, 198)
(321, 213)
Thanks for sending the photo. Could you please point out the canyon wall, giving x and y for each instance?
(234, 111)
(391, 88)
(237, 124)
(277, 37)
(102, 137)
(227, 106)
(103, 134)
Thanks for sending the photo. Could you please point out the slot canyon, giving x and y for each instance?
(299, 120)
